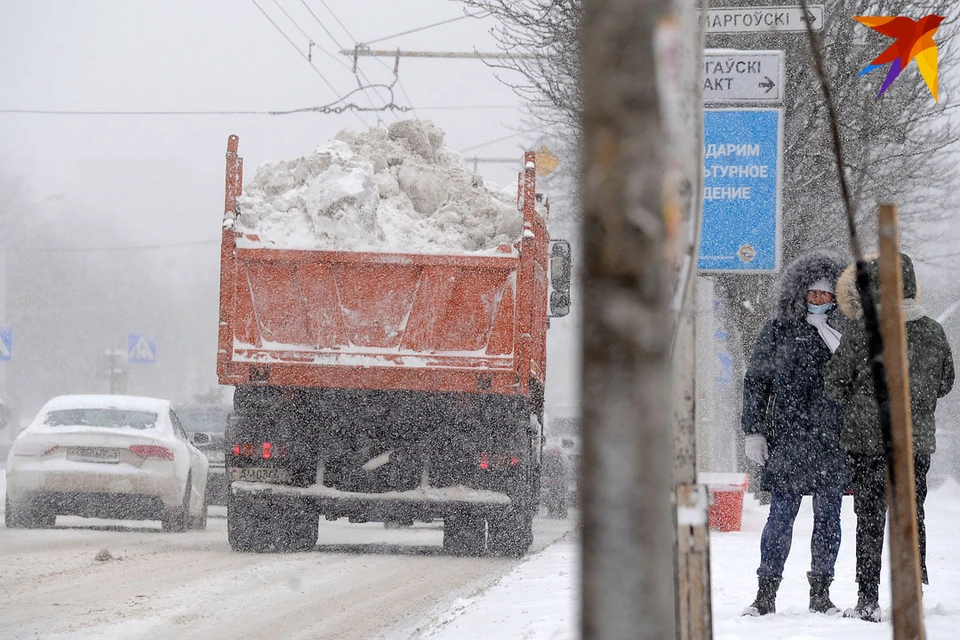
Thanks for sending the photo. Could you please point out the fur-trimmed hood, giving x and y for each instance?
(791, 303)
(848, 298)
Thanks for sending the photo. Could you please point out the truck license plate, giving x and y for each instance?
(273, 475)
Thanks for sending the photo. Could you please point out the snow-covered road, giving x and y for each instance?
(362, 581)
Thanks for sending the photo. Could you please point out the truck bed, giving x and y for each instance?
(368, 320)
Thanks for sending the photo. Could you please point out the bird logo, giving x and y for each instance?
(914, 39)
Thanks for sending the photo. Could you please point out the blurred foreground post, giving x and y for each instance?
(901, 491)
(680, 50)
(627, 526)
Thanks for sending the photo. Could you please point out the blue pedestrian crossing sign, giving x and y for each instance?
(141, 349)
(6, 343)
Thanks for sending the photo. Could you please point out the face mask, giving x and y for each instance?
(817, 309)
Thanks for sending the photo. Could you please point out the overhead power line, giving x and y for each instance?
(141, 247)
(303, 55)
(312, 43)
(342, 26)
(361, 51)
(322, 26)
(358, 73)
(429, 26)
(331, 108)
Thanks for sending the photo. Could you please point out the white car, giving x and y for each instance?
(117, 457)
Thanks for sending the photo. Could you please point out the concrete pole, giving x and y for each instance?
(627, 525)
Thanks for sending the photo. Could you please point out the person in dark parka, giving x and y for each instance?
(849, 381)
(792, 428)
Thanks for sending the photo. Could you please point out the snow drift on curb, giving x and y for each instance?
(538, 600)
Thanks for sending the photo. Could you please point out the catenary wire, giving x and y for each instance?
(321, 109)
(303, 55)
(357, 71)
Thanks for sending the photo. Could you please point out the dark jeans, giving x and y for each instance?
(778, 532)
(870, 505)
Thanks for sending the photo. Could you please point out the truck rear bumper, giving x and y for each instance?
(418, 504)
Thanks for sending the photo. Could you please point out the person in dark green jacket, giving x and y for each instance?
(848, 380)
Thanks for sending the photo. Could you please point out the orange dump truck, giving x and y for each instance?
(387, 387)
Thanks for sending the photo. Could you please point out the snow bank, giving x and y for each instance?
(388, 190)
(538, 600)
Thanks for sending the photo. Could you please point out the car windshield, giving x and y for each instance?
(101, 417)
(212, 419)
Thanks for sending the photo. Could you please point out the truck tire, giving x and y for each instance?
(250, 527)
(301, 530)
(511, 533)
(255, 527)
(463, 534)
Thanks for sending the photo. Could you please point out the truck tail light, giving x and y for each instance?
(498, 461)
(152, 451)
(264, 450)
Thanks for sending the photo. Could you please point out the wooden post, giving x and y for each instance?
(901, 494)
(627, 530)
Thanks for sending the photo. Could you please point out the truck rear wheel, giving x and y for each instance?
(463, 534)
(510, 534)
(256, 527)
(249, 525)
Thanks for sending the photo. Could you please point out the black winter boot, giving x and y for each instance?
(868, 604)
(766, 601)
(820, 595)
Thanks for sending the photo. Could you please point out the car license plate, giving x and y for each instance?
(273, 475)
(92, 454)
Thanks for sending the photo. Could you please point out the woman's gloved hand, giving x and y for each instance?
(756, 448)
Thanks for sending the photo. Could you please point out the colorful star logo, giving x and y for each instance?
(914, 39)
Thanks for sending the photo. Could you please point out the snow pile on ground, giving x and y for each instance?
(539, 599)
(391, 190)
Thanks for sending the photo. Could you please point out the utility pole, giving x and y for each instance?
(627, 584)
(683, 73)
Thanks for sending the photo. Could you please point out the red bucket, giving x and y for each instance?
(726, 499)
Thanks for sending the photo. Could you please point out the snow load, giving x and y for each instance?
(388, 190)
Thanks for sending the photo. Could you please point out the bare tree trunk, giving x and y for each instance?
(627, 527)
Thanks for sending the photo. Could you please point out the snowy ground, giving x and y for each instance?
(537, 600)
(362, 581)
(365, 581)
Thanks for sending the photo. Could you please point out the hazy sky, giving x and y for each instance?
(162, 176)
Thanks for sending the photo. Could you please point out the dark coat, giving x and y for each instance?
(783, 394)
(849, 381)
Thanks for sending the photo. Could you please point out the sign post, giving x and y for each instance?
(742, 183)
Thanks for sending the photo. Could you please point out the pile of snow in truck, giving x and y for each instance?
(387, 190)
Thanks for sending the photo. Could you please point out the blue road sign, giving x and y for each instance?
(141, 349)
(6, 343)
(741, 198)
